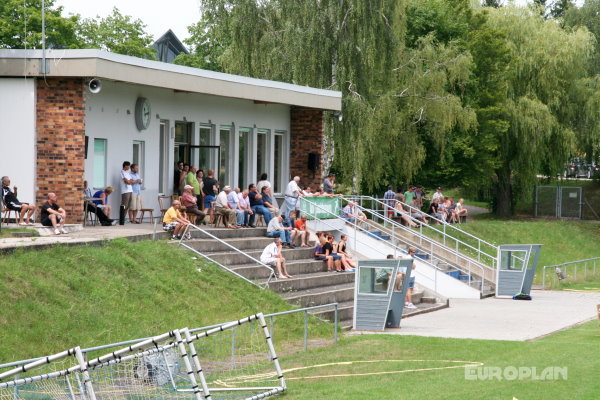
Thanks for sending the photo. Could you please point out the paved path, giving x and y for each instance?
(504, 319)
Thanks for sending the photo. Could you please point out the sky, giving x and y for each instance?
(158, 15)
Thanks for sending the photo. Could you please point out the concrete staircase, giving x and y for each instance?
(310, 284)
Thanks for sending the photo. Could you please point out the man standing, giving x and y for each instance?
(390, 200)
(329, 184)
(292, 194)
(438, 195)
(135, 204)
(177, 177)
(411, 283)
(53, 215)
(126, 188)
(192, 180)
(409, 195)
(222, 207)
(276, 229)
(12, 203)
(271, 255)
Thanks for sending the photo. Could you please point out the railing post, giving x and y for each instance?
(575, 273)
(305, 330)
(335, 324)
(554, 279)
(444, 234)
(585, 270)
(233, 346)
(544, 277)
(479, 250)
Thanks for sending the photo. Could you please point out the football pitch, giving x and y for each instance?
(560, 366)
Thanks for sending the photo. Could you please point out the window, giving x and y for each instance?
(225, 139)
(262, 160)
(183, 135)
(138, 156)
(99, 181)
(279, 159)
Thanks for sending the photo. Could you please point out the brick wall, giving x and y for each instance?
(60, 128)
(306, 125)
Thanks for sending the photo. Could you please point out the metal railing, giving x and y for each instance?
(359, 227)
(210, 235)
(484, 251)
(561, 271)
(272, 316)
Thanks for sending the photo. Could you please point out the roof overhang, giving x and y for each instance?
(117, 67)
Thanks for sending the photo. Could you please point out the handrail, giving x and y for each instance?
(478, 250)
(134, 341)
(566, 265)
(182, 243)
(394, 246)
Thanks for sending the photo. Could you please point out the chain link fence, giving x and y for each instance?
(558, 202)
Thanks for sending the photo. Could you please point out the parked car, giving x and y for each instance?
(594, 170)
(577, 168)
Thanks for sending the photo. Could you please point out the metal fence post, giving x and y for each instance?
(335, 323)
(305, 330)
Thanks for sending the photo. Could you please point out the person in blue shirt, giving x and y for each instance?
(258, 206)
(135, 204)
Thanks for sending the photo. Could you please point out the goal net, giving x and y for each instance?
(235, 360)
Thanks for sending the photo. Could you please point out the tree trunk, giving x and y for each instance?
(504, 200)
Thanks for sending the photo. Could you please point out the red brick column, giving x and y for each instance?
(60, 130)
(306, 126)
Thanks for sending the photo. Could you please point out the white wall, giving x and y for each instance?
(17, 135)
(107, 117)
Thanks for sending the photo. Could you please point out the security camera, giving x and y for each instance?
(95, 85)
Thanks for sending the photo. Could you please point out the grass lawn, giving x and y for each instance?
(10, 232)
(61, 297)
(577, 350)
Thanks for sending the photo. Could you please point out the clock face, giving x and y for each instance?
(142, 113)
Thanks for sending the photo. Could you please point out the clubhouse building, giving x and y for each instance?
(90, 110)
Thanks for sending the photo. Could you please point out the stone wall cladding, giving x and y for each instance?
(60, 128)
(306, 125)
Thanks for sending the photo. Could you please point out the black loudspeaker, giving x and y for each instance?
(314, 160)
(87, 141)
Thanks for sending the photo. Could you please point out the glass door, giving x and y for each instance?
(244, 157)
(225, 152)
(205, 157)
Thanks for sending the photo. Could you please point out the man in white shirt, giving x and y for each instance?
(438, 195)
(271, 256)
(126, 186)
(276, 229)
(352, 214)
(222, 207)
(234, 203)
(244, 204)
(292, 193)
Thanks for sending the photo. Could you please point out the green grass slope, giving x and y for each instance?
(92, 295)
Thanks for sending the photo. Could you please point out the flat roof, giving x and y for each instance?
(88, 63)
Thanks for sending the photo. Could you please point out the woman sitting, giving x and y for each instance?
(404, 216)
(328, 251)
(320, 253)
(460, 210)
(349, 263)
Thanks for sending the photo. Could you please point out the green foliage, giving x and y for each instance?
(117, 33)
(21, 25)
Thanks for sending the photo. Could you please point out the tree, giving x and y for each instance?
(206, 47)
(21, 25)
(117, 33)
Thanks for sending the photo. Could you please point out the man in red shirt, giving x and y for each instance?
(300, 226)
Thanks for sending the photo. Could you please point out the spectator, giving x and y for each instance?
(442, 209)
(183, 178)
(290, 222)
(390, 200)
(222, 207)
(244, 204)
(399, 195)
(263, 183)
(12, 203)
(94, 208)
(102, 200)
(257, 206)
(234, 202)
(136, 195)
(126, 188)
(416, 213)
(434, 211)
(53, 215)
(292, 195)
(438, 195)
(409, 195)
(460, 210)
(303, 233)
(276, 229)
(403, 214)
(209, 190)
(190, 202)
(200, 179)
(174, 221)
(329, 184)
(268, 202)
(352, 214)
(411, 283)
(341, 250)
(272, 256)
(385, 277)
(451, 209)
(177, 177)
(192, 180)
(419, 195)
(320, 253)
(328, 251)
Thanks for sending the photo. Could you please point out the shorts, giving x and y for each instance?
(48, 222)
(319, 258)
(15, 206)
(135, 203)
(170, 226)
(335, 256)
(207, 200)
(411, 282)
(269, 261)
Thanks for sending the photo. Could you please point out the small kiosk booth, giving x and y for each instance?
(516, 269)
(376, 304)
